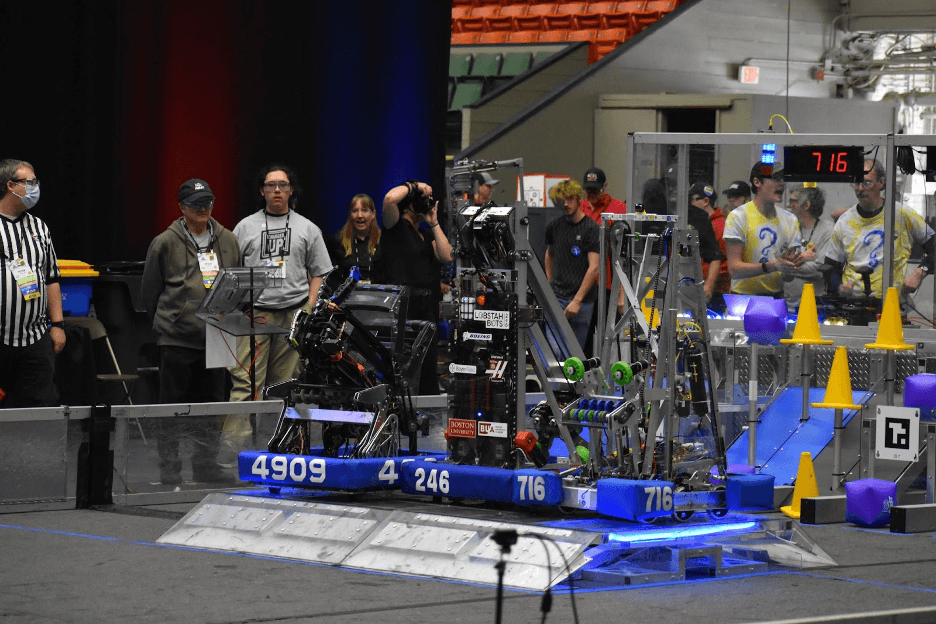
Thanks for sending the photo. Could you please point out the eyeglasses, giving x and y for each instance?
(272, 186)
(27, 181)
(864, 183)
(195, 208)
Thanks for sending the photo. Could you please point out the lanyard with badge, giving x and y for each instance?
(24, 274)
(281, 261)
(207, 259)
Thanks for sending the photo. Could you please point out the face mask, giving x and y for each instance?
(31, 198)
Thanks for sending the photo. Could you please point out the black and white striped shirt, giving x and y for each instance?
(24, 322)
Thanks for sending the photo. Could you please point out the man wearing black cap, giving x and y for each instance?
(737, 194)
(761, 241)
(709, 221)
(598, 200)
(485, 182)
(181, 264)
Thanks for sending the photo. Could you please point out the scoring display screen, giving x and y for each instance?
(823, 163)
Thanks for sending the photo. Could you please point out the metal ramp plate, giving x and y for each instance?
(382, 540)
(602, 553)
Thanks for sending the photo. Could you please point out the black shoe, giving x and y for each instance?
(213, 474)
(172, 478)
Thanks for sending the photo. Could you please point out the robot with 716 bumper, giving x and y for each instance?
(648, 450)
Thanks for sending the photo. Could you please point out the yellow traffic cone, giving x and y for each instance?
(805, 486)
(890, 329)
(806, 331)
(838, 393)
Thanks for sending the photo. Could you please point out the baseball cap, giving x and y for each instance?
(594, 179)
(702, 190)
(195, 192)
(738, 188)
(486, 178)
(757, 171)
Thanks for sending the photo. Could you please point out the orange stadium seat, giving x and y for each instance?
(506, 19)
(523, 36)
(499, 36)
(533, 20)
(465, 38)
(564, 16)
(592, 17)
(582, 35)
(548, 36)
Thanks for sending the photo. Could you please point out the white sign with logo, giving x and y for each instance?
(898, 433)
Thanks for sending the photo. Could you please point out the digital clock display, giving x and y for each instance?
(823, 163)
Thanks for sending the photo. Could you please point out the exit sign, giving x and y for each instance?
(748, 74)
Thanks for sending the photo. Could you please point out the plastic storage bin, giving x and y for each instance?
(76, 286)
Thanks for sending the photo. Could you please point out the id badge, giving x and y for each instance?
(25, 279)
(281, 264)
(208, 263)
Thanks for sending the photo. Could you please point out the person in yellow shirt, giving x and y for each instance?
(762, 242)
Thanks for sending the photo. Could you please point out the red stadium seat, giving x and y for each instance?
(533, 20)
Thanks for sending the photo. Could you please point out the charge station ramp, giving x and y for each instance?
(380, 540)
(782, 438)
(601, 553)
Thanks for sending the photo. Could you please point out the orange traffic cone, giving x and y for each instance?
(806, 331)
(838, 394)
(805, 486)
(890, 329)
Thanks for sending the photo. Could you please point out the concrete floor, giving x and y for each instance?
(105, 566)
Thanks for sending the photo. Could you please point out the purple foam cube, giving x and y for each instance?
(765, 320)
(868, 502)
(920, 391)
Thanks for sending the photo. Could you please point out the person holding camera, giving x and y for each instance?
(414, 257)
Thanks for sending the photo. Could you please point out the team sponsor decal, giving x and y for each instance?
(497, 366)
(462, 428)
(493, 319)
(477, 336)
(492, 429)
(463, 368)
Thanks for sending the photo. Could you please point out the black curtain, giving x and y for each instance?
(117, 102)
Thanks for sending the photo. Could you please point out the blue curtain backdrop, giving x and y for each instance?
(120, 101)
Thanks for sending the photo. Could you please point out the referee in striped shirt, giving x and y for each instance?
(31, 319)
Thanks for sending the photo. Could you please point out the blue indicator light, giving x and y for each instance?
(769, 153)
(680, 532)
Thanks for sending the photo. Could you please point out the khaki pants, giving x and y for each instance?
(277, 361)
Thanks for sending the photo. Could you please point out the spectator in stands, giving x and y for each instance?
(572, 258)
(32, 322)
(737, 194)
(704, 197)
(485, 182)
(181, 264)
(761, 241)
(806, 204)
(358, 242)
(858, 238)
(414, 258)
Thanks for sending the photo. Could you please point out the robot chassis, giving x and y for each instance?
(648, 450)
(653, 448)
(359, 356)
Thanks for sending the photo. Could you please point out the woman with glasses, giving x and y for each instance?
(357, 243)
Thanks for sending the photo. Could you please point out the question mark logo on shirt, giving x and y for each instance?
(868, 240)
(764, 234)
